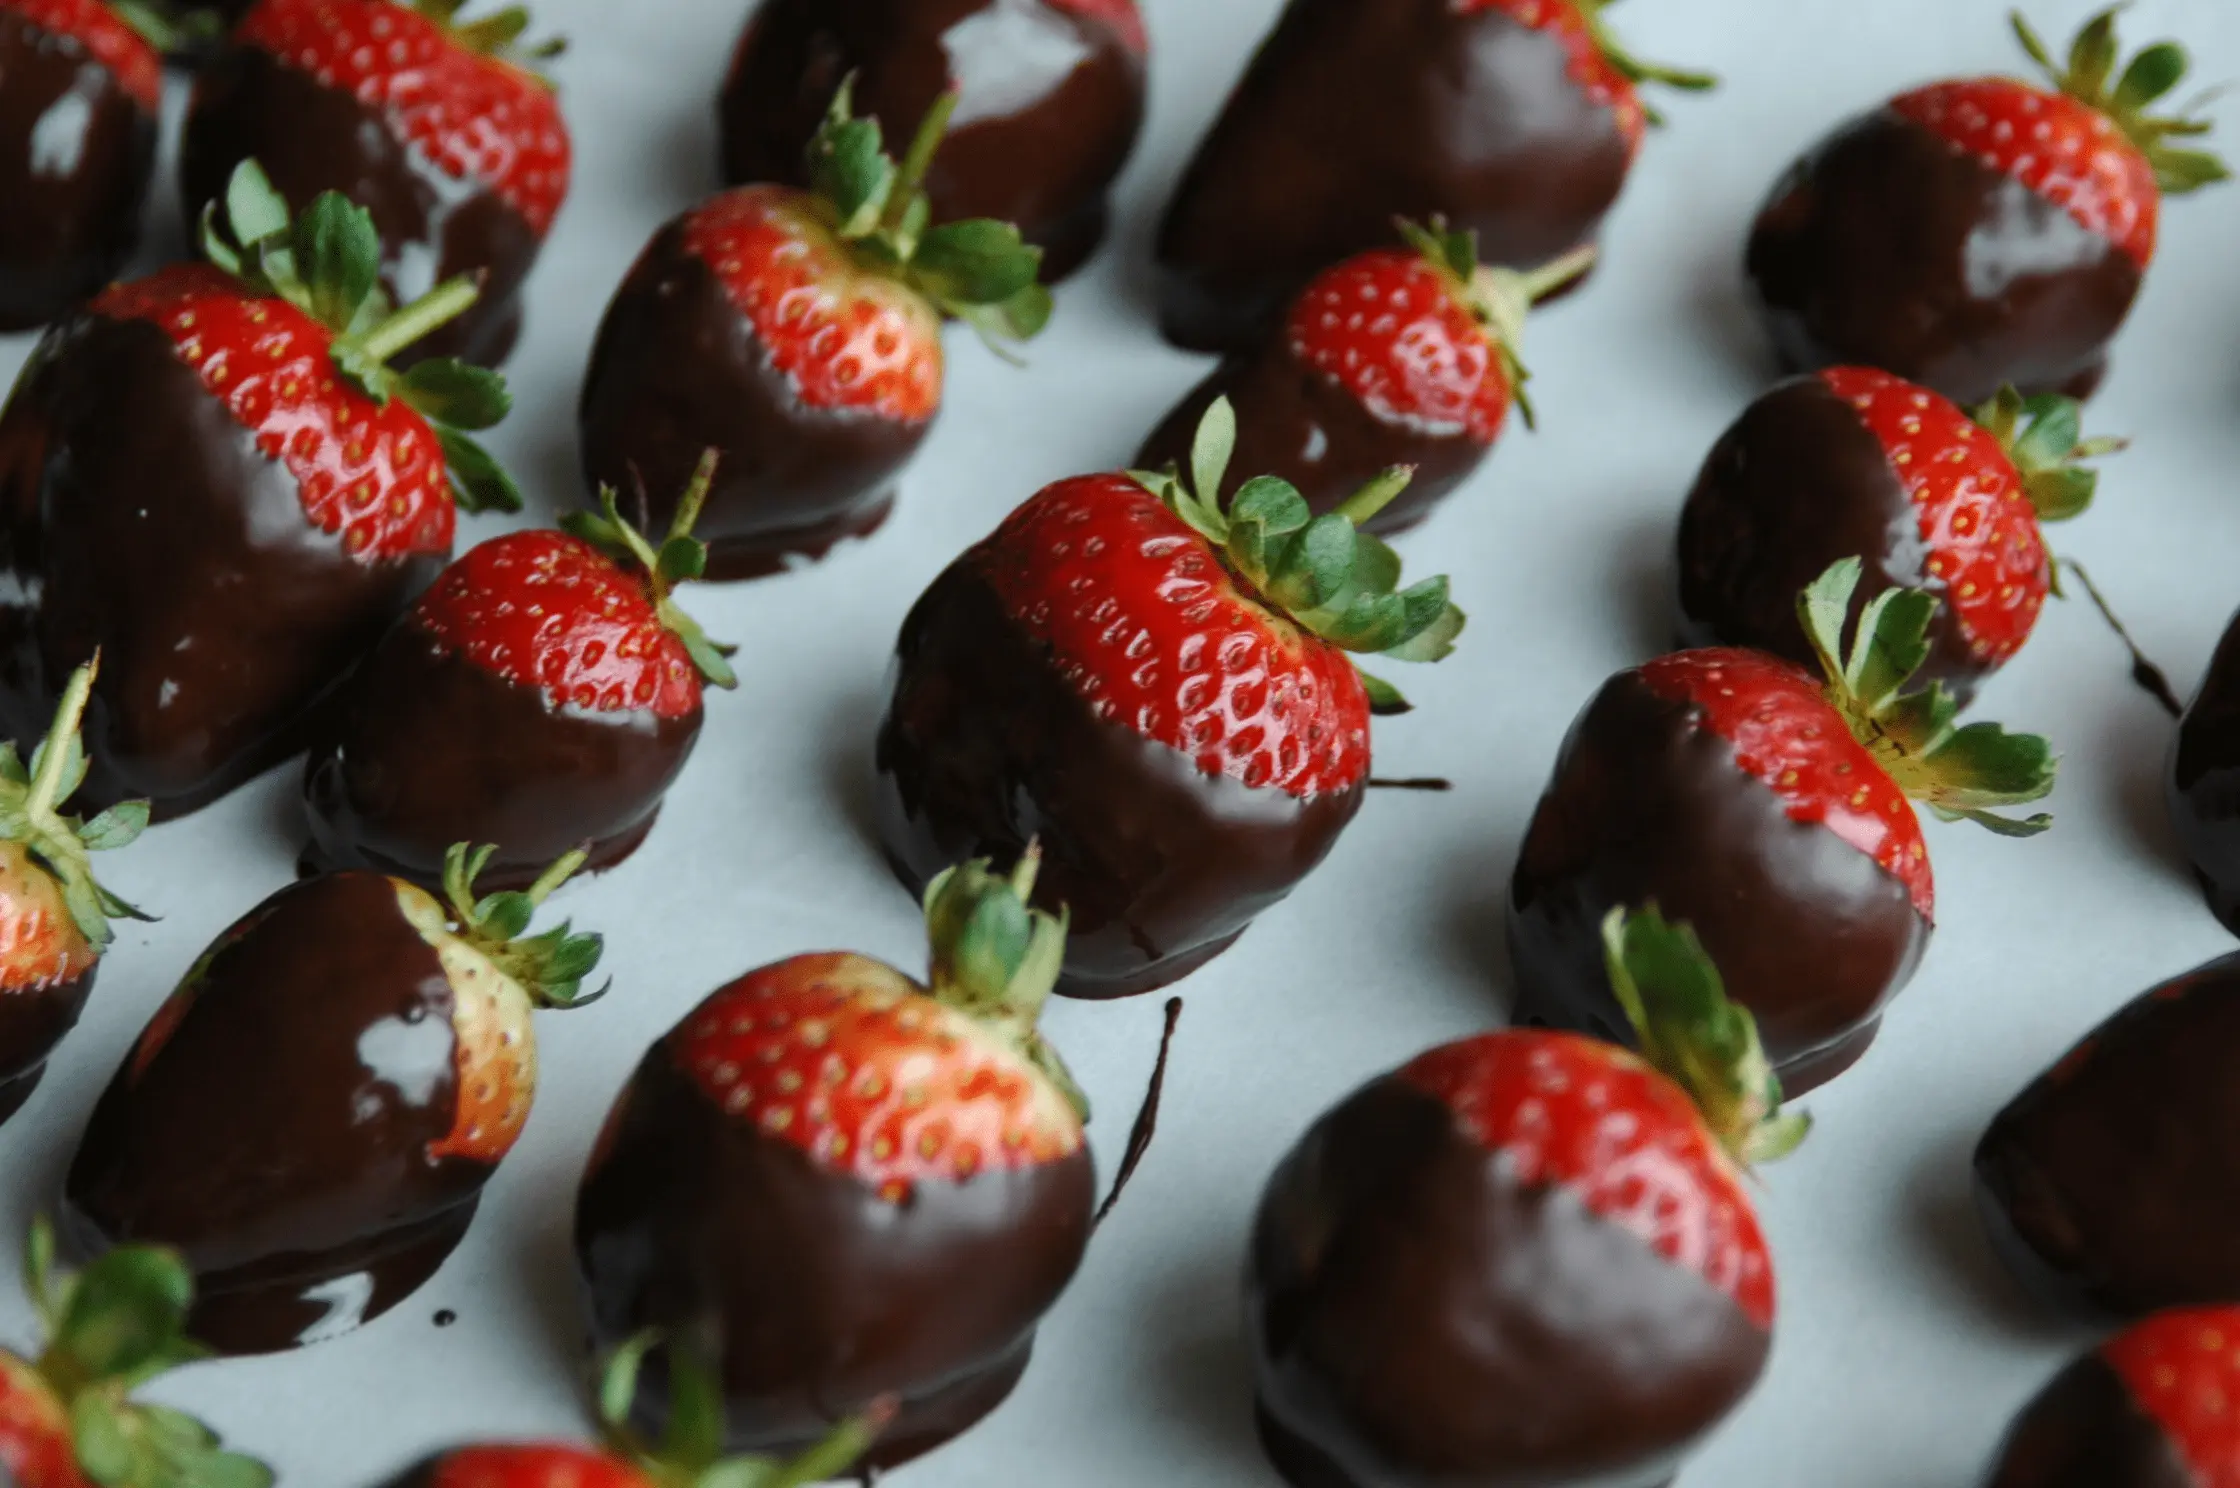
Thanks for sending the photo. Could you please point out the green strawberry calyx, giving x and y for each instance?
(1633, 69)
(2044, 437)
(680, 559)
(1957, 772)
(690, 1453)
(996, 958)
(326, 261)
(550, 967)
(1499, 298)
(2090, 77)
(497, 36)
(31, 814)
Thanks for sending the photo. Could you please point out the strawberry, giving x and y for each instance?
(1769, 806)
(543, 694)
(310, 491)
(1516, 120)
(67, 1418)
(1855, 460)
(1528, 1257)
(94, 69)
(311, 1119)
(2150, 1405)
(1161, 688)
(851, 1184)
(436, 124)
(1394, 357)
(1983, 232)
(797, 333)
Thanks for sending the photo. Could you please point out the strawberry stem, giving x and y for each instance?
(1553, 275)
(55, 753)
(423, 317)
(562, 869)
(1377, 495)
(695, 496)
(927, 143)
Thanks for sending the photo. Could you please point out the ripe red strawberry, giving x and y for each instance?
(310, 494)
(1917, 238)
(798, 334)
(1768, 806)
(1162, 690)
(2150, 1405)
(67, 1419)
(311, 1119)
(1854, 460)
(543, 694)
(850, 1184)
(1527, 1257)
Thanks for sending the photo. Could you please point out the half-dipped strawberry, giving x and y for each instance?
(1529, 1258)
(797, 333)
(312, 1116)
(1517, 120)
(211, 478)
(846, 1185)
(2149, 1408)
(1162, 689)
(54, 916)
(1401, 356)
(433, 123)
(1050, 98)
(542, 695)
(81, 86)
(1768, 806)
(1981, 233)
(1854, 461)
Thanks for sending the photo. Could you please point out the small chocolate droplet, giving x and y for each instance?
(446, 1317)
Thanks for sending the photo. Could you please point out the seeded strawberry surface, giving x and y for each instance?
(2064, 150)
(477, 118)
(373, 474)
(494, 1061)
(845, 1059)
(533, 1466)
(36, 1449)
(1154, 632)
(1121, 15)
(1587, 66)
(549, 610)
(40, 944)
(2183, 1371)
(1786, 733)
(1590, 1117)
(845, 338)
(102, 32)
(1388, 327)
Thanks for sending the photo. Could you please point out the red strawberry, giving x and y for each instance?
(1528, 1257)
(1162, 689)
(798, 334)
(1917, 239)
(1123, 16)
(245, 1129)
(1768, 806)
(310, 494)
(853, 1185)
(1601, 69)
(2151, 1405)
(402, 106)
(109, 34)
(543, 694)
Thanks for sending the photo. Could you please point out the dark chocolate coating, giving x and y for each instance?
(2085, 1431)
(76, 155)
(1648, 804)
(1796, 484)
(1418, 1318)
(1889, 247)
(1355, 112)
(818, 1295)
(137, 517)
(33, 1021)
(1050, 105)
(2203, 782)
(311, 138)
(1302, 425)
(678, 370)
(279, 1138)
(2111, 1184)
(430, 749)
(985, 746)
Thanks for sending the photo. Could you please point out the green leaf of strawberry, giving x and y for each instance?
(457, 394)
(688, 1455)
(996, 957)
(680, 559)
(2150, 77)
(550, 967)
(2044, 437)
(31, 814)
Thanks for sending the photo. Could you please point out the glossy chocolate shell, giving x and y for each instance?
(33, 1021)
(2203, 782)
(2085, 1431)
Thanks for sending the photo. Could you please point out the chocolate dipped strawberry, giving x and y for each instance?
(543, 694)
(1527, 1259)
(1334, 395)
(2202, 785)
(307, 493)
(845, 1185)
(798, 334)
(311, 1118)
(1768, 806)
(81, 89)
(54, 915)
(1984, 232)
(1162, 689)
(435, 124)
(1517, 120)
(2146, 1409)
(1050, 99)
(67, 1416)
(1855, 461)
